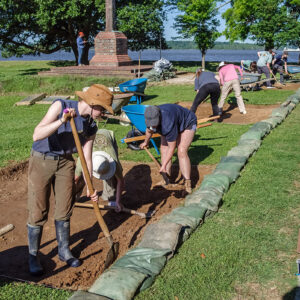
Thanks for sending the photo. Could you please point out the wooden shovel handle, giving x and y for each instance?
(164, 175)
(88, 180)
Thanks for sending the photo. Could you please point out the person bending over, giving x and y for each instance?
(106, 167)
(177, 126)
(206, 84)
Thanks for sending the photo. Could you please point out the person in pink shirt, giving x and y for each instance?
(229, 80)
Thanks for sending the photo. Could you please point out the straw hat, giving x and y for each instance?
(221, 64)
(104, 167)
(97, 94)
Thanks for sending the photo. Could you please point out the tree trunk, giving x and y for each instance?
(75, 51)
(203, 60)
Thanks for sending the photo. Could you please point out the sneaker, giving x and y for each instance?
(243, 112)
(270, 87)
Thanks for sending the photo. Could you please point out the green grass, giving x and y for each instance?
(21, 291)
(249, 245)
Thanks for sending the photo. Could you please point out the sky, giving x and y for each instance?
(171, 32)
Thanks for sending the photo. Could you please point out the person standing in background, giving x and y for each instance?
(80, 46)
(230, 80)
(206, 84)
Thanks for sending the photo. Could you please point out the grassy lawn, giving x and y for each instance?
(249, 246)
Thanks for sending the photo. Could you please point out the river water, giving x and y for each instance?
(171, 55)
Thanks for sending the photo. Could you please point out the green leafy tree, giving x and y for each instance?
(198, 21)
(142, 23)
(265, 22)
(40, 26)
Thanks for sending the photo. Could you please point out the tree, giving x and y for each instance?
(198, 21)
(142, 23)
(265, 22)
(46, 26)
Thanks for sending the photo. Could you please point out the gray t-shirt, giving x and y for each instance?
(205, 78)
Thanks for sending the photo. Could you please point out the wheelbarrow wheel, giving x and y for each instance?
(134, 145)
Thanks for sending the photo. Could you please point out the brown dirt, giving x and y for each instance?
(231, 113)
(87, 240)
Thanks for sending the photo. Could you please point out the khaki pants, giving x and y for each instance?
(43, 174)
(227, 87)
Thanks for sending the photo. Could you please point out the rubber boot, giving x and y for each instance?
(188, 186)
(34, 240)
(62, 236)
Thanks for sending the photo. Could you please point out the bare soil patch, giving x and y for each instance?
(87, 241)
(231, 113)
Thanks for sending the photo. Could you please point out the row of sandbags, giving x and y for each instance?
(136, 270)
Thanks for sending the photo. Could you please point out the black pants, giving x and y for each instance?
(211, 89)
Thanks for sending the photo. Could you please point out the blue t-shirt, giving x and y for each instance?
(205, 78)
(80, 43)
(62, 142)
(174, 119)
(279, 60)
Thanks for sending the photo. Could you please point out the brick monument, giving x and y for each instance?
(110, 45)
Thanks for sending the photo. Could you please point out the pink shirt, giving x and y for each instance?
(228, 73)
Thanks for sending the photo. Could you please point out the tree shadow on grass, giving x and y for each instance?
(33, 71)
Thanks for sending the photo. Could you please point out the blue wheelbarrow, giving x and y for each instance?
(135, 113)
(136, 86)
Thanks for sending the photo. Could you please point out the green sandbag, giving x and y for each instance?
(291, 106)
(280, 112)
(229, 166)
(188, 224)
(235, 159)
(245, 150)
(183, 220)
(255, 144)
(216, 181)
(147, 261)
(295, 100)
(273, 121)
(263, 127)
(82, 295)
(226, 170)
(204, 199)
(161, 236)
(191, 211)
(118, 283)
(251, 135)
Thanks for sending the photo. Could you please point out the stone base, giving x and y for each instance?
(131, 71)
(110, 50)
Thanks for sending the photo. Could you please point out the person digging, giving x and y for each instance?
(51, 165)
(177, 126)
(106, 167)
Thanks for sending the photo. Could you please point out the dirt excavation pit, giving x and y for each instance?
(231, 113)
(87, 241)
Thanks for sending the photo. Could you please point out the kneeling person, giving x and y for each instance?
(106, 166)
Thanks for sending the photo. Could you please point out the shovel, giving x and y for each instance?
(113, 247)
(164, 175)
(112, 205)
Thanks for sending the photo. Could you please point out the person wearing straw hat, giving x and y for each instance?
(51, 166)
(106, 167)
(230, 80)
